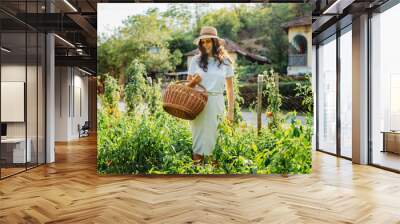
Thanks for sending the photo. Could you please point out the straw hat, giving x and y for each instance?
(207, 32)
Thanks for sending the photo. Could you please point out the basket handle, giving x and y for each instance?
(186, 81)
(194, 81)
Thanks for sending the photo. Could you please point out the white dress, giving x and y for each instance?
(204, 127)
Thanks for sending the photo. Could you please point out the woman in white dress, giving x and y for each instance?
(215, 68)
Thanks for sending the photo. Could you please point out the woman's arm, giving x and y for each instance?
(231, 98)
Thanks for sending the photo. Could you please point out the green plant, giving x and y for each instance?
(304, 90)
(237, 114)
(294, 149)
(135, 86)
(289, 148)
(111, 95)
(153, 97)
(238, 101)
(235, 149)
(274, 99)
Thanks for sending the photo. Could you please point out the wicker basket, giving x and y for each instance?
(184, 102)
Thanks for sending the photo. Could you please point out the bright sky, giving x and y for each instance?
(111, 15)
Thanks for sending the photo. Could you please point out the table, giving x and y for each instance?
(391, 141)
(13, 150)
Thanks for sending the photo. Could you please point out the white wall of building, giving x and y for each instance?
(71, 102)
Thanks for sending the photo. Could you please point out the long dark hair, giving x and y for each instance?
(218, 52)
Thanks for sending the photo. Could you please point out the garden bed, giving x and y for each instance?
(150, 141)
(161, 144)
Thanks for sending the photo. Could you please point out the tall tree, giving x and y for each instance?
(142, 37)
(225, 20)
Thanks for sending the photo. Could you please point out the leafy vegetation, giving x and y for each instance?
(305, 91)
(135, 85)
(153, 142)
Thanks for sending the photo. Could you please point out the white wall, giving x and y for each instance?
(79, 117)
(16, 73)
(9, 73)
(33, 126)
(71, 87)
(62, 81)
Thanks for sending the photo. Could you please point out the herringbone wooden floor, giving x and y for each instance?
(70, 191)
